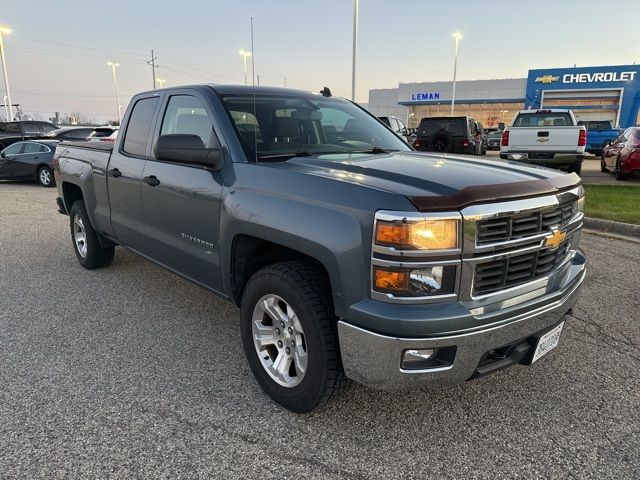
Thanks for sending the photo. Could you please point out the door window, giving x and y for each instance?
(32, 147)
(14, 149)
(186, 115)
(135, 140)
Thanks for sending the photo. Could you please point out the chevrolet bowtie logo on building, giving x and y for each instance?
(554, 240)
(547, 79)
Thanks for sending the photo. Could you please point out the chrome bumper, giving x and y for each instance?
(374, 360)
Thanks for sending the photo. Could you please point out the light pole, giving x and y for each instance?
(161, 82)
(458, 37)
(115, 82)
(6, 31)
(355, 49)
(245, 55)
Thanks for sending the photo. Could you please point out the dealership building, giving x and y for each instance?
(593, 93)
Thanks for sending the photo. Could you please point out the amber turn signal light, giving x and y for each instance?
(391, 280)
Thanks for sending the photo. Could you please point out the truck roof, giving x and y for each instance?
(241, 89)
(545, 110)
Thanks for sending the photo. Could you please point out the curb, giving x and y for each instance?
(608, 226)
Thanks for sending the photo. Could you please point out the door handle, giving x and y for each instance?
(151, 181)
(115, 173)
(36, 157)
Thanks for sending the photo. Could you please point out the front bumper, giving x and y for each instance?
(374, 359)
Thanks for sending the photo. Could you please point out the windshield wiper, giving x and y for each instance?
(287, 155)
(373, 150)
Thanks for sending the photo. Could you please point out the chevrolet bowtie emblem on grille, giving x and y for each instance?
(543, 139)
(554, 240)
(547, 79)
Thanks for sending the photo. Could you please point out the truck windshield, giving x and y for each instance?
(543, 119)
(276, 125)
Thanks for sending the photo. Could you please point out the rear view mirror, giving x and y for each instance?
(187, 148)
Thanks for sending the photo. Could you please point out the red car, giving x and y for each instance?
(622, 155)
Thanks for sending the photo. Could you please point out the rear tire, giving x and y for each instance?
(306, 346)
(86, 244)
(45, 177)
(575, 168)
(617, 173)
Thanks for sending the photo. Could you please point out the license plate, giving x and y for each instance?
(547, 342)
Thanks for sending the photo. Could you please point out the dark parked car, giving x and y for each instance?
(30, 160)
(70, 134)
(451, 135)
(12, 132)
(622, 155)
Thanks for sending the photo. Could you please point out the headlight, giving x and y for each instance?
(581, 204)
(422, 282)
(420, 235)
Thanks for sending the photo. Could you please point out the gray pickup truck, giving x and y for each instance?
(351, 255)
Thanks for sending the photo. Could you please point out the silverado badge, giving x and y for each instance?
(554, 240)
(547, 79)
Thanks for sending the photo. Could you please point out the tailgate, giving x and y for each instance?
(540, 139)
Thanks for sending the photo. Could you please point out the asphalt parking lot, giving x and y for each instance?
(130, 371)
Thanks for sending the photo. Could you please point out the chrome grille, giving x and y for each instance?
(508, 272)
(502, 229)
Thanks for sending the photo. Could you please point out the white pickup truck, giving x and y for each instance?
(545, 137)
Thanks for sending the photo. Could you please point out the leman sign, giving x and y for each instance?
(426, 96)
(598, 77)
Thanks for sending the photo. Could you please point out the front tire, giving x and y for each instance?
(617, 173)
(289, 335)
(86, 244)
(45, 177)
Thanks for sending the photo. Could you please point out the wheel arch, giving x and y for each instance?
(250, 254)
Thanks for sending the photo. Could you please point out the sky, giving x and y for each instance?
(58, 51)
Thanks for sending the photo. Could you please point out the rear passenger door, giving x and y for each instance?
(182, 201)
(124, 174)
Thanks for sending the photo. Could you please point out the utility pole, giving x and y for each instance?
(152, 62)
(115, 83)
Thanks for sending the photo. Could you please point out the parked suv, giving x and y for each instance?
(397, 125)
(12, 132)
(451, 135)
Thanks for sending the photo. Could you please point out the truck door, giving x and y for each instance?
(124, 183)
(182, 201)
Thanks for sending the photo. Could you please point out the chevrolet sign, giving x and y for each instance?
(598, 77)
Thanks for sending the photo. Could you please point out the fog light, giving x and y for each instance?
(418, 359)
(427, 358)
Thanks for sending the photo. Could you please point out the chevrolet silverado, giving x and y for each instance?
(350, 255)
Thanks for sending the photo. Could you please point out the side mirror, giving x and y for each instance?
(608, 143)
(404, 132)
(187, 148)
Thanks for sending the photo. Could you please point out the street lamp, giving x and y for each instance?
(458, 37)
(161, 82)
(355, 49)
(245, 55)
(9, 108)
(115, 82)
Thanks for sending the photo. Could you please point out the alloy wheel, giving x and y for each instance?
(80, 236)
(45, 177)
(279, 340)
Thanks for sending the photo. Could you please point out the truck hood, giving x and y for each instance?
(435, 181)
